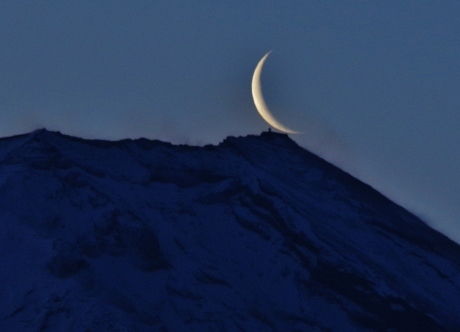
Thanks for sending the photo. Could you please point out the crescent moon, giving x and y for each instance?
(259, 101)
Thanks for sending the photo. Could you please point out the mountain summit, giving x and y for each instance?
(254, 234)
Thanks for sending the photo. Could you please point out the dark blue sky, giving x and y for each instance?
(373, 84)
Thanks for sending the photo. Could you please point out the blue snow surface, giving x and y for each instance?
(255, 234)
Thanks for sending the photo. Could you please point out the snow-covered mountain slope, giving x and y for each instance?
(255, 234)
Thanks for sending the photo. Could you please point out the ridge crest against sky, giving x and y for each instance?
(374, 86)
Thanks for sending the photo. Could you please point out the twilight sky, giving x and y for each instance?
(373, 84)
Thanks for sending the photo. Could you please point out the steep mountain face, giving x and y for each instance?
(255, 234)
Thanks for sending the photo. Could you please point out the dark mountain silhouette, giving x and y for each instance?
(255, 234)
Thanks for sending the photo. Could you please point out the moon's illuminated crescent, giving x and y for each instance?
(259, 101)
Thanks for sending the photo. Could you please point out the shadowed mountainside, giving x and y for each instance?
(255, 234)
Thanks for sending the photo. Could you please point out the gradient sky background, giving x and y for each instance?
(374, 84)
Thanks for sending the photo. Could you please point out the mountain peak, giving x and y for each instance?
(255, 233)
(43, 132)
(266, 136)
